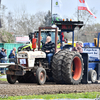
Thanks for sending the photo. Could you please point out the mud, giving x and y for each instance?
(49, 88)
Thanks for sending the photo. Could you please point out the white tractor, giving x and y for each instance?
(32, 66)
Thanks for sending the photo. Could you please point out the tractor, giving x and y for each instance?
(65, 67)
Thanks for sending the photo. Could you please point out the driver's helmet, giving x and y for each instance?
(56, 17)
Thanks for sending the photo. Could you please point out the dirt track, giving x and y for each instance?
(51, 88)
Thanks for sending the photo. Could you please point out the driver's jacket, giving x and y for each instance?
(49, 46)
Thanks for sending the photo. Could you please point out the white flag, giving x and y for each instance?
(56, 7)
(83, 6)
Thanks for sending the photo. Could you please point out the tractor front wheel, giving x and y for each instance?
(11, 79)
(92, 76)
(41, 76)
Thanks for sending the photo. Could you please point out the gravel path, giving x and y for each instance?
(49, 88)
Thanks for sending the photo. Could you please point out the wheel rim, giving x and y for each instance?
(76, 68)
(13, 78)
(94, 76)
(42, 76)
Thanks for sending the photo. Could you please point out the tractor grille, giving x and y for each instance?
(23, 61)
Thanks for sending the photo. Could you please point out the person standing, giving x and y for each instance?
(12, 55)
(2, 59)
(6, 56)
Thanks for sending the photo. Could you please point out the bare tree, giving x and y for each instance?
(5, 35)
(25, 23)
(48, 19)
(83, 15)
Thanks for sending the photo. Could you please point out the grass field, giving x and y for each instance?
(90, 95)
(3, 79)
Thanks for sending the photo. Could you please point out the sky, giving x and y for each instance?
(68, 6)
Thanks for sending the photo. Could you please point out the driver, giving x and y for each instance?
(49, 48)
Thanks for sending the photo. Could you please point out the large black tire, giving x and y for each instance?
(11, 79)
(57, 66)
(41, 76)
(72, 68)
(92, 76)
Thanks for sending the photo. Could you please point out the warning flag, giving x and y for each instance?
(83, 6)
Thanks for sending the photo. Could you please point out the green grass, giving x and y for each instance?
(90, 95)
(3, 79)
(1, 75)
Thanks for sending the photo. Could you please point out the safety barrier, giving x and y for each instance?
(7, 60)
(4, 65)
(4, 62)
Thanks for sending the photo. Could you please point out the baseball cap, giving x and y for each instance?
(2, 48)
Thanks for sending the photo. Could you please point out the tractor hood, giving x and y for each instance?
(31, 54)
(27, 58)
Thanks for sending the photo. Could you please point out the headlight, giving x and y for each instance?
(22, 55)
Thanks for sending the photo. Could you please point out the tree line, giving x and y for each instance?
(21, 23)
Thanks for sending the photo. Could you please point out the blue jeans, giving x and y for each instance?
(49, 56)
(2, 69)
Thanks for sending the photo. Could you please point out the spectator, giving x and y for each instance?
(78, 48)
(12, 55)
(2, 55)
(49, 48)
(81, 45)
(6, 56)
(2, 58)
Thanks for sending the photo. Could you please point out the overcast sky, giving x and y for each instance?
(33, 6)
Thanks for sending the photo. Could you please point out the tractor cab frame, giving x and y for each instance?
(64, 26)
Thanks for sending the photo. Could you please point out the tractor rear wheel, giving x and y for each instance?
(41, 76)
(11, 79)
(72, 68)
(57, 66)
